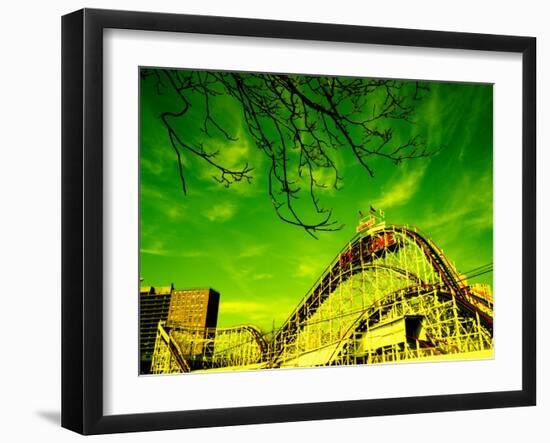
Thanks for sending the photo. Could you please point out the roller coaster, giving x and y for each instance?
(389, 295)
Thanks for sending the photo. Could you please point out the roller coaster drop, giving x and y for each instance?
(389, 295)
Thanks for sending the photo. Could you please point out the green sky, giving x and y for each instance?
(231, 240)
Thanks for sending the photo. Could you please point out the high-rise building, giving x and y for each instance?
(154, 304)
(195, 310)
(194, 313)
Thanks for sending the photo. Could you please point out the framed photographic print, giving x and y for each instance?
(270, 221)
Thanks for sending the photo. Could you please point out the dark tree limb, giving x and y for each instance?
(298, 122)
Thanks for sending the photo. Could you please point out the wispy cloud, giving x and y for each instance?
(155, 168)
(252, 251)
(221, 212)
(471, 204)
(307, 269)
(160, 250)
(169, 207)
(405, 187)
(325, 178)
(154, 251)
(191, 253)
(234, 155)
(262, 276)
(242, 188)
(241, 306)
(156, 154)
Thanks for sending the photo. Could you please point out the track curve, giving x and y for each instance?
(362, 253)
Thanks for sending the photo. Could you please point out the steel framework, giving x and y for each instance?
(389, 295)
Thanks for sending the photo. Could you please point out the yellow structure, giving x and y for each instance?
(390, 295)
(188, 308)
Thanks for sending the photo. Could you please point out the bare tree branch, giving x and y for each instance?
(299, 123)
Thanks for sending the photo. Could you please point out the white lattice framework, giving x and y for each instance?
(389, 295)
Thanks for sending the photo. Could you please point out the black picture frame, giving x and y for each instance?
(82, 219)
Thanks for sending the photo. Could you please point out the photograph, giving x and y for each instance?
(291, 220)
(275, 222)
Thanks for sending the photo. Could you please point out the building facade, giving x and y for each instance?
(154, 304)
(195, 309)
